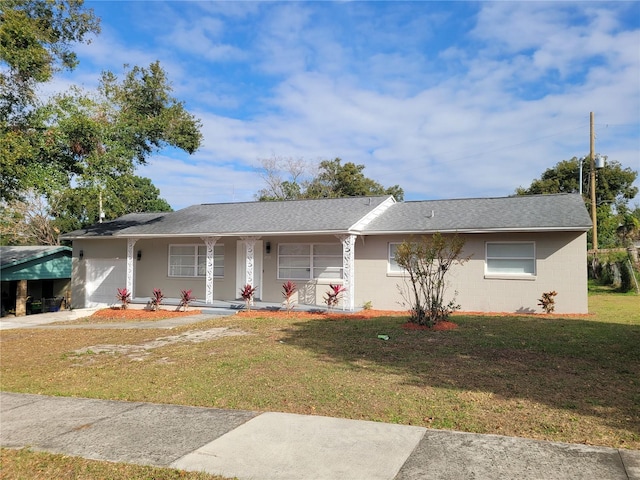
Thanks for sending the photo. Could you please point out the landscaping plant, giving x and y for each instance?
(186, 298)
(333, 296)
(288, 289)
(156, 299)
(124, 296)
(426, 263)
(246, 293)
(548, 302)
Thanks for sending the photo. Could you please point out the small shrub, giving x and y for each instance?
(426, 263)
(247, 293)
(186, 298)
(367, 305)
(333, 296)
(156, 299)
(288, 289)
(548, 302)
(124, 296)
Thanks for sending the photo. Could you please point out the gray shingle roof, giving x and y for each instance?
(114, 227)
(517, 213)
(251, 218)
(341, 215)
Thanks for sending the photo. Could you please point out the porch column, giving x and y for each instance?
(130, 258)
(210, 242)
(348, 270)
(250, 242)
(21, 298)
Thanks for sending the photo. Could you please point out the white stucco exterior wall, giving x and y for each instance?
(560, 266)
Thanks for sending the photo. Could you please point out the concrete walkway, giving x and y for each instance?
(30, 321)
(43, 319)
(280, 446)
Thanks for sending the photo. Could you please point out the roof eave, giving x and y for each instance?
(219, 234)
(480, 230)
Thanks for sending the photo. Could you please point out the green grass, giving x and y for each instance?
(545, 377)
(26, 464)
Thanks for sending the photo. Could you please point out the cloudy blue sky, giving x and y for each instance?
(446, 99)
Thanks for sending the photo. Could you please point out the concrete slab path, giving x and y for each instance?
(281, 446)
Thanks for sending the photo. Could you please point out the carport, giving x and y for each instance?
(34, 279)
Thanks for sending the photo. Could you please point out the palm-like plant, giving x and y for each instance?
(124, 296)
(186, 298)
(288, 289)
(156, 299)
(247, 293)
(333, 296)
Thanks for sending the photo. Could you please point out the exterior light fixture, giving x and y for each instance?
(81, 254)
(139, 255)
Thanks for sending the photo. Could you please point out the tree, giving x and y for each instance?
(331, 181)
(36, 37)
(78, 146)
(427, 263)
(337, 180)
(277, 187)
(36, 220)
(79, 207)
(92, 143)
(28, 222)
(614, 190)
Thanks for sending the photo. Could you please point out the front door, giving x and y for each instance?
(241, 273)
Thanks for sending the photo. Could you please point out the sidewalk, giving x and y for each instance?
(280, 446)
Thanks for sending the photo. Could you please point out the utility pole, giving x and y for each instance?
(100, 212)
(592, 155)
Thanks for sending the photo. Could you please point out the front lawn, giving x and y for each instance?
(544, 377)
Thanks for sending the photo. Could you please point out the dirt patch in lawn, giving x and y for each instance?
(438, 327)
(141, 351)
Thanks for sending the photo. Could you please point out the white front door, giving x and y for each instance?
(241, 270)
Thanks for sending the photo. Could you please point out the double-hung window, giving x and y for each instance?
(511, 259)
(307, 261)
(394, 268)
(191, 261)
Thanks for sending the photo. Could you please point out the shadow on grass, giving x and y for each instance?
(587, 367)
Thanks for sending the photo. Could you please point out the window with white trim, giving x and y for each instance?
(393, 266)
(511, 259)
(306, 261)
(191, 261)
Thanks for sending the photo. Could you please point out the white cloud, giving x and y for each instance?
(479, 108)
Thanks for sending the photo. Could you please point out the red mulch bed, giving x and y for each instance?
(141, 314)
